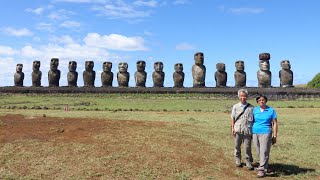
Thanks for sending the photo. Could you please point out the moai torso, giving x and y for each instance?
(178, 76)
(72, 75)
(240, 76)
(199, 70)
(285, 74)
(107, 75)
(264, 73)
(18, 76)
(54, 73)
(140, 75)
(221, 75)
(89, 75)
(36, 74)
(123, 75)
(158, 74)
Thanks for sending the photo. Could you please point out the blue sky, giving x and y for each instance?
(159, 30)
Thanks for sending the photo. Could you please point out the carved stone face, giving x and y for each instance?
(178, 67)
(89, 65)
(72, 66)
(107, 66)
(285, 64)
(54, 64)
(141, 65)
(158, 66)
(239, 65)
(36, 65)
(19, 68)
(123, 67)
(264, 56)
(199, 58)
(264, 65)
(221, 67)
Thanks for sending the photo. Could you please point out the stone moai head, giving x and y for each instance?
(285, 64)
(36, 65)
(89, 65)
(199, 58)
(107, 66)
(178, 67)
(221, 67)
(264, 64)
(158, 66)
(123, 67)
(141, 65)
(54, 63)
(72, 66)
(19, 68)
(239, 65)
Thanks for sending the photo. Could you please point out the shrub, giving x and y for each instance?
(315, 82)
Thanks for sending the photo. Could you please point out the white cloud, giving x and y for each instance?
(45, 26)
(29, 51)
(151, 3)
(7, 51)
(184, 46)
(244, 10)
(82, 1)
(18, 32)
(70, 24)
(37, 11)
(60, 14)
(115, 42)
(121, 10)
(180, 2)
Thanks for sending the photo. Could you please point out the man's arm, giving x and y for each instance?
(233, 120)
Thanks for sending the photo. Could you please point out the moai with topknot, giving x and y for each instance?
(178, 75)
(221, 75)
(158, 74)
(264, 73)
(240, 76)
(123, 75)
(36, 74)
(54, 73)
(72, 75)
(107, 74)
(285, 74)
(199, 70)
(89, 75)
(19, 76)
(140, 76)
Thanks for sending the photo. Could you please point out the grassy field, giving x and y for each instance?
(176, 127)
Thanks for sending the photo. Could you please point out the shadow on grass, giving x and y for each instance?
(278, 169)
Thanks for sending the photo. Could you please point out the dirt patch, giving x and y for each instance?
(64, 148)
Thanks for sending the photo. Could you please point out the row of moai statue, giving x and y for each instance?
(140, 76)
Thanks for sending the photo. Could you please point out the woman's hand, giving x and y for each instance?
(274, 140)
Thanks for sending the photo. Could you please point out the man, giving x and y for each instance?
(241, 128)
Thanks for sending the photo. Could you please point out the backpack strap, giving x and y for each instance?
(244, 109)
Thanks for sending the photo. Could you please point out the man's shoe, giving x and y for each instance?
(249, 165)
(238, 163)
(261, 173)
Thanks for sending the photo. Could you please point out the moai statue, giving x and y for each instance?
(140, 75)
(285, 74)
(264, 74)
(221, 75)
(89, 75)
(36, 74)
(178, 75)
(158, 74)
(199, 70)
(54, 73)
(240, 77)
(123, 75)
(72, 75)
(19, 76)
(107, 75)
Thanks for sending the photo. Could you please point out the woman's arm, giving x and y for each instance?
(275, 130)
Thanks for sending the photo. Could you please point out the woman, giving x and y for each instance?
(264, 130)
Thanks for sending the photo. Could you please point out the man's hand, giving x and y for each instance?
(233, 133)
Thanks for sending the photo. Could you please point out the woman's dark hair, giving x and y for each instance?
(260, 96)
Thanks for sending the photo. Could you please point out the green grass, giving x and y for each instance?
(296, 154)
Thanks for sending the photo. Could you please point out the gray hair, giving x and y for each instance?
(243, 90)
